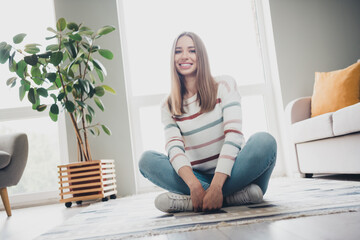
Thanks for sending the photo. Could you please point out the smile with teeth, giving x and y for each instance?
(185, 65)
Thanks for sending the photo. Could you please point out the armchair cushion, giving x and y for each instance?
(4, 159)
(347, 120)
(313, 128)
(335, 90)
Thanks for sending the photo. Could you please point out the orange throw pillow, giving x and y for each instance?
(335, 90)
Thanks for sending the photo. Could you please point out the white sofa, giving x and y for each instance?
(325, 144)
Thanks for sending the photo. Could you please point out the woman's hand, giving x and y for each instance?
(213, 199)
(197, 192)
(197, 195)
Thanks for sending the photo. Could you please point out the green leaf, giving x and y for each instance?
(56, 58)
(61, 24)
(85, 85)
(105, 30)
(106, 54)
(21, 68)
(32, 60)
(90, 110)
(26, 84)
(51, 77)
(71, 49)
(35, 72)
(53, 117)
(70, 106)
(22, 92)
(100, 74)
(61, 96)
(72, 26)
(41, 107)
(52, 30)
(54, 97)
(94, 48)
(96, 131)
(32, 45)
(106, 130)
(75, 37)
(52, 47)
(19, 38)
(4, 52)
(99, 91)
(32, 50)
(69, 88)
(98, 65)
(37, 102)
(54, 109)
(10, 81)
(82, 104)
(109, 89)
(88, 118)
(31, 95)
(99, 103)
(12, 63)
(49, 38)
(42, 92)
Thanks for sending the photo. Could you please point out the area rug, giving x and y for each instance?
(136, 216)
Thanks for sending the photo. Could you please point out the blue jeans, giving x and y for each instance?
(254, 164)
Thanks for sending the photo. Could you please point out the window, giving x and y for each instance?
(229, 30)
(40, 173)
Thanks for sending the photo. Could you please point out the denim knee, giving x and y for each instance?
(267, 143)
(145, 161)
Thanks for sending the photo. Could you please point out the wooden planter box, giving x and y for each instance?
(87, 180)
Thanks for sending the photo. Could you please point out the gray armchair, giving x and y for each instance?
(13, 158)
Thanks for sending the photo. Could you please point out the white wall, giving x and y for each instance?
(310, 36)
(95, 14)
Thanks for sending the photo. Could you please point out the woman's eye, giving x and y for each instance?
(192, 51)
(177, 52)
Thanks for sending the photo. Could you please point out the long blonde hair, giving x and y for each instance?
(206, 84)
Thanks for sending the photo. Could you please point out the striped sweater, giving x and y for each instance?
(208, 142)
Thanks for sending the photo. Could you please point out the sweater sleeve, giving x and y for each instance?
(174, 142)
(232, 115)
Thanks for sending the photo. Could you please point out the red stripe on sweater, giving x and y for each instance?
(177, 155)
(206, 144)
(204, 160)
(234, 131)
(175, 139)
(228, 157)
(194, 115)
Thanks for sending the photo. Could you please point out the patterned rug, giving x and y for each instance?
(136, 216)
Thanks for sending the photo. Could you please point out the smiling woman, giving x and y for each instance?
(40, 176)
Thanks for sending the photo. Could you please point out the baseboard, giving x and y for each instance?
(32, 199)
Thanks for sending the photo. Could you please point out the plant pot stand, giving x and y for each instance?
(86, 181)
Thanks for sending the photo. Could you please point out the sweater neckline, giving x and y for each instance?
(191, 99)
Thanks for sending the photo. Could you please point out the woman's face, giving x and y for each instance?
(185, 56)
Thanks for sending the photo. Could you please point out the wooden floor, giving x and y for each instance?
(28, 223)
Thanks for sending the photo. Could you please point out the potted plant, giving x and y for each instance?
(70, 75)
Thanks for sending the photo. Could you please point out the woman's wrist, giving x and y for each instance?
(189, 178)
(219, 180)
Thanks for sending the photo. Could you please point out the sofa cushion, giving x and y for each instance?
(347, 120)
(313, 128)
(4, 159)
(335, 90)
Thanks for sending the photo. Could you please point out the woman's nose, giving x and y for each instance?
(184, 55)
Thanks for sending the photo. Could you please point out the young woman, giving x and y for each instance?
(208, 165)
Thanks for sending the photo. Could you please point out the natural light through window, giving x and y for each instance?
(32, 18)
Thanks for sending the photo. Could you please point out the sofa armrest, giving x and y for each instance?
(298, 110)
(17, 146)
